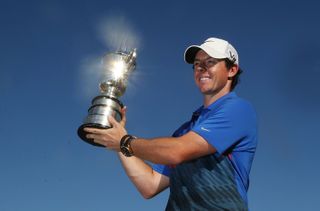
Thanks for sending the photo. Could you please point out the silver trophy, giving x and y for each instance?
(117, 67)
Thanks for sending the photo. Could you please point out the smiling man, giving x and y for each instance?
(206, 163)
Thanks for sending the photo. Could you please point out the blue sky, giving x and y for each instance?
(48, 46)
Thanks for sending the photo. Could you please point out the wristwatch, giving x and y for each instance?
(125, 145)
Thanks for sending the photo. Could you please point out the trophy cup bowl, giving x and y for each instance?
(117, 66)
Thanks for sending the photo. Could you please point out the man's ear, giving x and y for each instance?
(233, 71)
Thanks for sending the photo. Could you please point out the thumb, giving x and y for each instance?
(124, 116)
(112, 121)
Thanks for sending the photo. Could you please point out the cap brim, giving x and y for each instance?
(190, 53)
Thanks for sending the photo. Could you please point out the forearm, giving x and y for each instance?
(159, 150)
(147, 181)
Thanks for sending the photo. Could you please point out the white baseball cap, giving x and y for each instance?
(214, 47)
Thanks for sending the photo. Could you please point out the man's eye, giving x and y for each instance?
(196, 63)
(210, 62)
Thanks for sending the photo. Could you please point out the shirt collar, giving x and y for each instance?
(214, 104)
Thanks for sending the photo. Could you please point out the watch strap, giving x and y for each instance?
(125, 145)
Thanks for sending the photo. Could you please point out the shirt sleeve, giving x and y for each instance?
(162, 169)
(226, 126)
(166, 169)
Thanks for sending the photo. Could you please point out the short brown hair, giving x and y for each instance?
(235, 79)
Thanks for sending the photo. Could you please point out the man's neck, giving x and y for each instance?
(209, 99)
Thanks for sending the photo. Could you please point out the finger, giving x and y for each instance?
(98, 141)
(124, 116)
(94, 130)
(88, 129)
(92, 136)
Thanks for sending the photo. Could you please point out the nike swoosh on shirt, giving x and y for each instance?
(205, 129)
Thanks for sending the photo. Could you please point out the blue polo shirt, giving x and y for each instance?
(221, 180)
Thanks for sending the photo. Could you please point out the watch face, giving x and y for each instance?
(126, 151)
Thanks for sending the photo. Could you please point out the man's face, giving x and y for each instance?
(210, 74)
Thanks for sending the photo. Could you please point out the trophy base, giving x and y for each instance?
(82, 134)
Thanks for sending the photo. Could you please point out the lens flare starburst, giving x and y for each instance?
(118, 69)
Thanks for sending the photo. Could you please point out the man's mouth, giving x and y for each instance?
(204, 78)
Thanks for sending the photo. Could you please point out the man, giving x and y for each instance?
(206, 163)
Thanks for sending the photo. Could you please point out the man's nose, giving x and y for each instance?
(202, 67)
